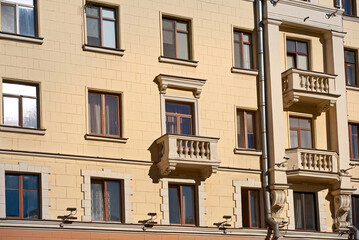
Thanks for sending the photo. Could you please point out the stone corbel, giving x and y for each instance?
(279, 199)
(342, 204)
(325, 107)
(290, 100)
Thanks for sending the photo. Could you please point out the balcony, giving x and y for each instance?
(308, 91)
(189, 155)
(312, 165)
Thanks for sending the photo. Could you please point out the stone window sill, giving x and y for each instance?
(21, 38)
(247, 152)
(118, 52)
(354, 88)
(351, 18)
(178, 61)
(105, 138)
(13, 129)
(244, 71)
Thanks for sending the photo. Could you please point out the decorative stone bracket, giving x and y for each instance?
(342, 208)
(279, 200)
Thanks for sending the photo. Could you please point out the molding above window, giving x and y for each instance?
(193, 84)
(21, 38)
(105, 138)
(118, 52)
(247, 152)
(5, 128)
(253, 72)
(190, 63)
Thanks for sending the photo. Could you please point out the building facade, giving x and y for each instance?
(136, 110)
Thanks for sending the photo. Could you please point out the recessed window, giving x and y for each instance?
(104, 114)
(354, 141)
(350, 67)
(101, 26)
(297, 55)
(20, 105)
(106, 198)
(305, 211)
(355, 210)
(18, 17)
(300, 132)
(246, 129)
(22, 196)
(243, 56)
(182, 204)
(176, 38)
(251, 210)
(179, 118)
(349, 7)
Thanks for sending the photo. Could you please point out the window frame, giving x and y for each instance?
(178, 116)
(21, 190)
(355, 64)
(303, 205)
(244, 120)
(242, 43)
(247, 190)
(355, 208)
(351, 141)
(296, 53)
(299, 131)
(352, 8)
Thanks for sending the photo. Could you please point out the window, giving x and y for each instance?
(18, 17)
(349, 7)
(20, 105)
(101, 26)
(300, 132)
(354, 141)
(243, 50)
(179, 118)
(305, 212)
(104, 114)
(176, 36)
(182, 204)
(297, 55)
(106, 198)
(22, 196)
(251, 210)
(355, 210)
(350, 67)
(246, 134)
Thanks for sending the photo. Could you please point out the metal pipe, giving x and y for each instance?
(273, 226)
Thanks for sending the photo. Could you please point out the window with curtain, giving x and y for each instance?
(297, 54)
(305, 211)
(182, 205)
(179, 118)
(104, 114)
(246, 129)
(300, 132)
(349, 7)
(354, 141)
(350, 67)
(243, 55)
(251, 208)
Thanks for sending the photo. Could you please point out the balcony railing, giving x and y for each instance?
(188, 153)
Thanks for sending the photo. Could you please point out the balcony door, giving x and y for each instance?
(179, 118)
(300, 132)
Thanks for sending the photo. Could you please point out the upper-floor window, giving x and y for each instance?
(350, 67)
(22, 196)
(243, 56)
(300, 132)
(305, 211)
(104, 114)
(349, 7)
(355, 210)
(176, 38)
(182, 207)
(20, 105)
(297, 54)
(354, 141)
(251, 208)
(179, 118)
(106, 196)
(18, 17)
(101, 26)
(246, 129)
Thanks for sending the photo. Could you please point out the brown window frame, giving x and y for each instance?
(303, 205)
(346, 63)
(296, 53)
(353, 11)
(244, 120)
(178, 116)
(21, 192)
(298, 129)
(351, 141)
(246, 192)
(242, 43)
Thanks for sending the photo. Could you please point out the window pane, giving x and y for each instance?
(302, 62)
(174, 206)
(306, 139)
(247, 38)
(185, 126)
(293, 139)
(291, 46)
(290, 61)
(111, 115)
(182, 46)
(7, 18)
(19, 89)
(26, 2)
(92, 11)
(113, 201)
(31, 204)
(236, 36)
(355, 142)
(108, 13)
(26, 21)
(30, 182)
(11, 181)
(305, 123)
(298, 212)
(95, 113)
(238, 55)
(254, 199)
(302, 47)
(178, 108)
(350, 56)
(171, 124)
(169, 42)
(250, 130)
(294, 122)
(310, 211)
(182, 26)
(355, 202)
(97, 212)
(93, 31)
(29, 108)
(188, 205)
(247, 56)
(109, 34)
(11, 111)
(351, 75)
(240, 130)
(12, 203)
(348, 7)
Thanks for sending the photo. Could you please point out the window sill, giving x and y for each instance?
(178, 61)
(247, 152)
(351, 18)
(244, 71)
(354, 88)
(36, 131)
(21, 38)
(118, 52)
(106, 138)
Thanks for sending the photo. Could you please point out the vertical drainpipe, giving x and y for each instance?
(272, 225)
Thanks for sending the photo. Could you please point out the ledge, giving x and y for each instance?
(118, 52)
(253, 72)
(106, 138)
(21, 38)
(354, 88)
(178, 61)
(351, 18)
(22, 130)
(247, 152)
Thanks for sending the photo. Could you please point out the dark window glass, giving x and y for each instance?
(182, 204)
(300, 132)
(350, 67)
(251, 208)
(354, 141)
(246, 134)
(22, 196)
(297, 55)
(179, 118)
(243, 55)
(176, 37)
(349, 7)
(305, 211)
(355, 210)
